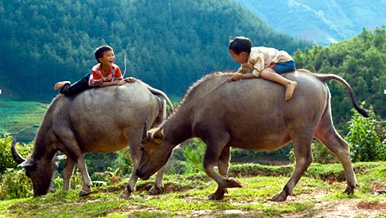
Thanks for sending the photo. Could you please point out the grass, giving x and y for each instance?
(319, 190)
(22, 118)
(186, 196)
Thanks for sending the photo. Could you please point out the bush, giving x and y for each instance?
(187, 157)
(194, 156)
(14, 182)
(320, 154)
(6, 159)
(367, 138)
(123, 162)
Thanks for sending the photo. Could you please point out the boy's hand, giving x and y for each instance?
(120, 82)
(235, 77)
(130, 79)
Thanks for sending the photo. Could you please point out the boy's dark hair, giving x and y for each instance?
(100, 50)
(240, 44)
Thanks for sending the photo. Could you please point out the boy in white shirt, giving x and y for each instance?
(267, 63)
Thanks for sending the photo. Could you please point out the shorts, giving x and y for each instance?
(283, 67)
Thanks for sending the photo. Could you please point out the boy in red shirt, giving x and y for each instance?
(105, 73)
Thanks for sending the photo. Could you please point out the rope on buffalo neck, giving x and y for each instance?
(226, 81)
(124, 71)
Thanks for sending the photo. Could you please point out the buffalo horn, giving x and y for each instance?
(16, 156)
(144, 136)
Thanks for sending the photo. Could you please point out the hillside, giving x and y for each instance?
(167, 44)
(323, 22)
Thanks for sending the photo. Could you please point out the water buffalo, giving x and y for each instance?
(250, 114)
(97, 120)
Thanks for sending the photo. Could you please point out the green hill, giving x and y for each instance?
(168, 44)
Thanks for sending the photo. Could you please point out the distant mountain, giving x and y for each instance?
(323, 22)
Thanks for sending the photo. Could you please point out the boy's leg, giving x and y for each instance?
(79, 86)
(270, 74)
(59, 85)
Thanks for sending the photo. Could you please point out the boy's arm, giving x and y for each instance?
(238, 76)
(117, 82)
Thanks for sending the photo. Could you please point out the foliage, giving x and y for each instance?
(168, 44)
(360, 61)
(13, 181)
(123, 162)
(265, 157)
(320, 154)
(194, 156)
(367, 138)
(6, 159)
(15, 184)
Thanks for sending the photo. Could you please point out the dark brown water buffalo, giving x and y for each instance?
(97, 120)
(250, 114)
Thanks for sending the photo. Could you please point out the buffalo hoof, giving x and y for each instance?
(218, 195)
(125, 194)
(349, 190)
(233, 183)
(280, 197)
(154, 190)
(84, 193)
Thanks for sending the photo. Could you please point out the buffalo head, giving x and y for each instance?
(156, 152)
(40, 170)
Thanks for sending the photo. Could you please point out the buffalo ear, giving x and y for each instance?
(158, 135)
(27, 163)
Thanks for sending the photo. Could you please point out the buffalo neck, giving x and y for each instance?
(177, 128)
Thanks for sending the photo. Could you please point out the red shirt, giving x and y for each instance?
(97, 75)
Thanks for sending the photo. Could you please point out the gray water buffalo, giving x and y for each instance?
(97, 120)
(250, 114)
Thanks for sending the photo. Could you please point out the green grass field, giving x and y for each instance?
(318, 194)
(22, 118)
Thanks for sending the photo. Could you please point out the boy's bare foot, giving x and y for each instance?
(59, 85)
(290, 90)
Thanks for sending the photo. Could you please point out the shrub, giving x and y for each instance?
(194, 156)
(14, 182)
(123, 162)
(320, 154)
(366, 138)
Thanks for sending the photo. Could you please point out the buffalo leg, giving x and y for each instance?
(67, 173)
(135, 154)
(158, 185)
(86, 185)
(212, 158)
(73, 151)
(327, 134)
(223, 166)
(303, 157)
(223, 161)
